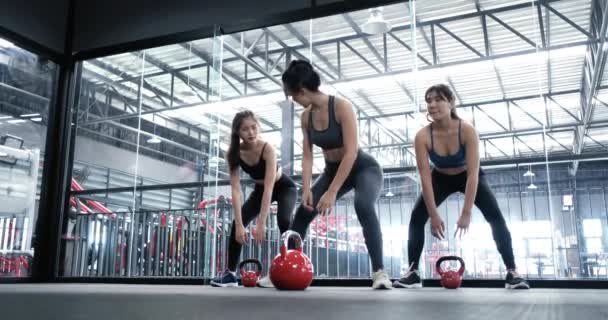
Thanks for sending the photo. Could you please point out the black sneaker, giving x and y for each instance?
(226, 279)
(515, 281)
(410, 280)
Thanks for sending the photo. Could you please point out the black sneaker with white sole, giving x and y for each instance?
(410, 280)
(515, 281)
(225, 279)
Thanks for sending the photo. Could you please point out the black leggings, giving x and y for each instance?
(443, 186)
(284, 193)
(366, 178)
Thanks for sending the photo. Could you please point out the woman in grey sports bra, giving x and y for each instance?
(330, 123)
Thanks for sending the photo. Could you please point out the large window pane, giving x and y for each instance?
(27, 84)
(522, 76)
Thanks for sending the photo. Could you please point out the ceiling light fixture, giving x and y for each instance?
(154, 140)
(529, 173)
(376, 23)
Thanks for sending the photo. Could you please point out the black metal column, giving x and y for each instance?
(53, 194)
(55, 185)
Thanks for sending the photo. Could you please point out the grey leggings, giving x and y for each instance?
(366, 178)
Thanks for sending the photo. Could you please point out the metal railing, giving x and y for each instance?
(193, 243)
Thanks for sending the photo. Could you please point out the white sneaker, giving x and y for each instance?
(265, 282)
(381, 280)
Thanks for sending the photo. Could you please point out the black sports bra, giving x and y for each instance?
(257, 171)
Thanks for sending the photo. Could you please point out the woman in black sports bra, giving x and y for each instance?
(330, 123)
(258, 159)
(453, 147)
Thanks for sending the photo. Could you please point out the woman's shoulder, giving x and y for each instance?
(267, 148)
(468, 133)
(423, 133)
(468, 128)
(342, 104)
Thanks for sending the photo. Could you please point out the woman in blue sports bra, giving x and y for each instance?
(452, 145)
(258, 159)
(330, 123)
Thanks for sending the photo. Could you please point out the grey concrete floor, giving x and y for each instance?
(172, 302)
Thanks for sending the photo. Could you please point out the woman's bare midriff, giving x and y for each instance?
(451, 171)
(333, 155)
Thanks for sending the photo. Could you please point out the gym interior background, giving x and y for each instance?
(113, 143)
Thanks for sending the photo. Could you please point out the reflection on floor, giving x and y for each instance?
(169, 302)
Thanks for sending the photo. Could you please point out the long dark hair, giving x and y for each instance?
(234, 157)
(300, 74)
(446, 93)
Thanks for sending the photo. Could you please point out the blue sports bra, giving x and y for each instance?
(456, 160)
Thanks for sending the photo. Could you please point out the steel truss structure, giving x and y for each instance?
(528, 74)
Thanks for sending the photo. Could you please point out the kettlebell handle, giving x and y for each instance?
(255, 261)
(285, 240)
(446, 258)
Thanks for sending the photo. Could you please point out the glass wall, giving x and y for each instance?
(150, 184)
(147, 170)
(27, 83)
(516, 71)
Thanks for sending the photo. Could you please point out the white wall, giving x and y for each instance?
(94, 152)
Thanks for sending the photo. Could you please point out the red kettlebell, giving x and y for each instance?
(291, 269)
(450, 279)
(250, 278)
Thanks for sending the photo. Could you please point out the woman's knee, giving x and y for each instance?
(232, 236)
(303, 216)
(501, 232)
(419, 216)
(283, 222)
(364, 207)
(285, 210)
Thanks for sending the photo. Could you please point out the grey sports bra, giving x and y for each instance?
(330, 138)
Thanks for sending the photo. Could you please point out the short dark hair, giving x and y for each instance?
(300, 74)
